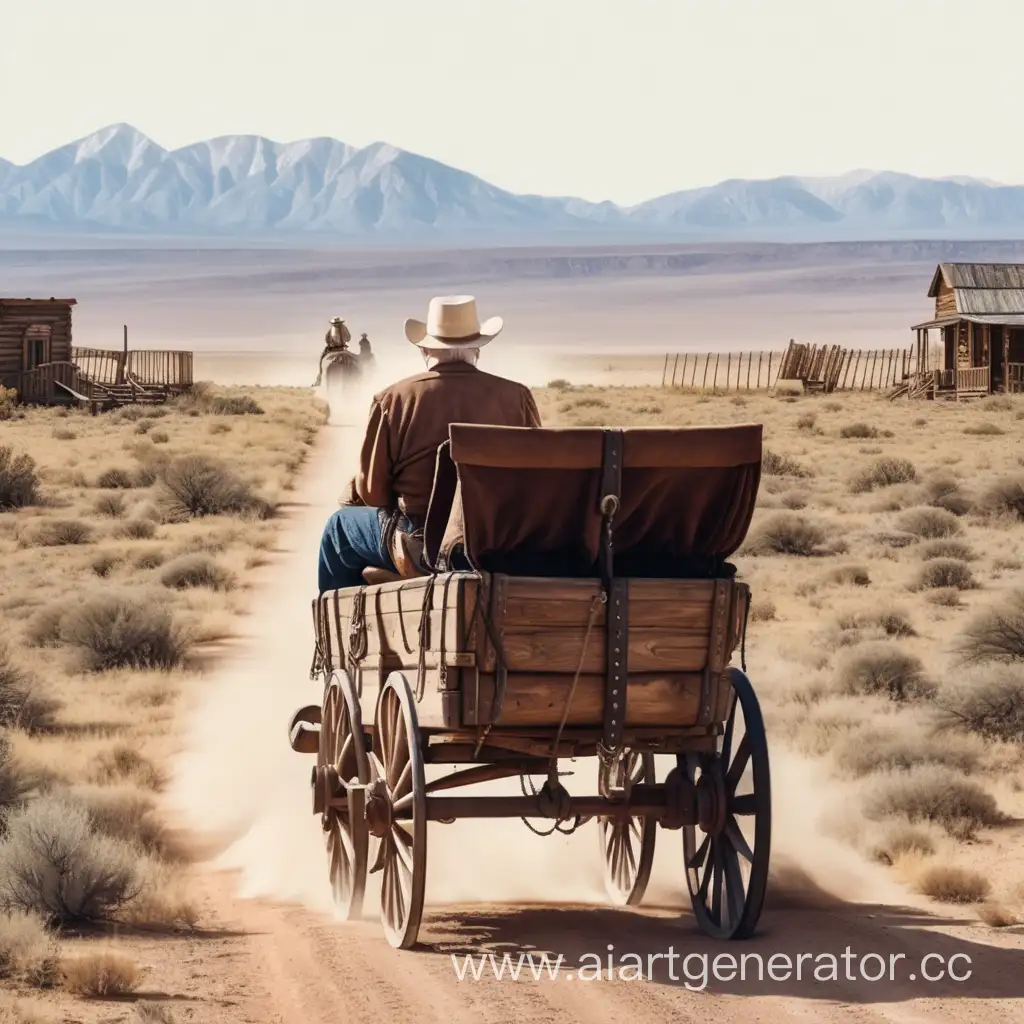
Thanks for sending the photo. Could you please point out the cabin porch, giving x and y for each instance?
(979, 356)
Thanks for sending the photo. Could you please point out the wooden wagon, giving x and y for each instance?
(581, 606)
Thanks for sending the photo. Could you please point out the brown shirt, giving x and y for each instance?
(410, 419)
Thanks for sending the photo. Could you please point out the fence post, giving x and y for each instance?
(664, 372)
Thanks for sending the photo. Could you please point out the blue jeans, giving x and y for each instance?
(351, 542)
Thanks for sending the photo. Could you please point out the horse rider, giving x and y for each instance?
(380, 523)
(365, 352)
(335, 340)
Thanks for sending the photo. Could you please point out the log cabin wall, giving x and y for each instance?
(945, 301)
(16, 317)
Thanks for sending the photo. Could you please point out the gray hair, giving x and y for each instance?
(450, 355)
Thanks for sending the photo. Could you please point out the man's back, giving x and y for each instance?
(410, 419)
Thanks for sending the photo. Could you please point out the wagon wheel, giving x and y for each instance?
(397, 812)
(343, 748)
(727, 870)
(627, 844)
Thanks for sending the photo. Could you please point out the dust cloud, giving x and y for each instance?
(238, 782)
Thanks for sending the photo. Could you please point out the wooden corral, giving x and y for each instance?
(38, 360)
(979, 321)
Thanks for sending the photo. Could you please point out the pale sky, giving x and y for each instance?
(603, 99)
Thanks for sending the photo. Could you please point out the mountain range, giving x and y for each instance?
(117, 180)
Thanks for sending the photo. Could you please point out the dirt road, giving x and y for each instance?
(272, 953)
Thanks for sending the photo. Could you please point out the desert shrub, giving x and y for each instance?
(944, 574)
(991, 705)
(233, 405)
(115, 478)
(928, 523)
(762, 610)
(111, 505)
(101, 975)
(197, 570)
(13, 784)
(890, 621)
(559, 384)
(885, 670)
(153, 1013)
(806, 421)
(944, 492)
(160, 437)
(851, 576)
(773, 464)
(946, 597)
(104, 564)
(55, 533)
(123, 763)
(130, 414)
(584, 402)
(996, 634)
(872, 750)
(858, 430)
(949, 884)
(787, 533)
(120, 631)
(195, 485)
(946, 549)
(8, 403)
(936, 794)
(19, 482)
(63, 434)
(896, 539)
(899, 839)
(220, 427)
(137, 529)
(54, 864)
(883, 473)
(28, 952)
(1004, 498)
(21, 703)
(984, 429)
(125, 813)
(149, 560)
(143, 426)
(145, 476)
(996, 916)
(997, 403)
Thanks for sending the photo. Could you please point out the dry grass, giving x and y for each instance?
(101, 975)
(996, 634)
(995, 915)
(950, 884)
(883, 669)
(787, 534)
(82, 762)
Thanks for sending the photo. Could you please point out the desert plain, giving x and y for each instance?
(156, 572)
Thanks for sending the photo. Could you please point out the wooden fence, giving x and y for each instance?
(828, 368)
(110, 367)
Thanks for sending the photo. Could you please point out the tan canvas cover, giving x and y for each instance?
(526, 501)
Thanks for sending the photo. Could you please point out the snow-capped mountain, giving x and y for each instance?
(118, 179)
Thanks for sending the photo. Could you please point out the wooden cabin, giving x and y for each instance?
(34, 333)
(979, 320)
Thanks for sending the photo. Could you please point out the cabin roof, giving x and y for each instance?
(994, 319)
(37, 302)
(982, 289)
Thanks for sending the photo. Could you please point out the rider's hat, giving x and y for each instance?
(336, 320)
(452, 322)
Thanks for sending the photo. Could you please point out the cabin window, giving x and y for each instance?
(37, 346)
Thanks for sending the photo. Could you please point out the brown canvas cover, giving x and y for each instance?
(526, 501)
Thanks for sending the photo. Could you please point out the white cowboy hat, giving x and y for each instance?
(452, 322)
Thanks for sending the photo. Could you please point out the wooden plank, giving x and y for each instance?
(539, 700)
(649, 650)
(675, 366)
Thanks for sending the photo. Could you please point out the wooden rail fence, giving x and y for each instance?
(826, 368)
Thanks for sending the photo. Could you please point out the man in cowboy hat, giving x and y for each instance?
(335, 340)
(383, 510)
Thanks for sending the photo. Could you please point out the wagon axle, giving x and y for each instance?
(673, 804)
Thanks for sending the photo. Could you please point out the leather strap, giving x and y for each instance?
(617, 621)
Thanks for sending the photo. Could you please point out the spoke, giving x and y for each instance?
(404, 783)
(346, 843)
(384, 731)
(738, 839)
(699, 854)
(706, 879)
(404, 806)
(730, 724)
(376, 768)
(403, 846)
(627, 847)
(716, 885)
(735, 893)
(746, 804)
(739, 765)
(348, 749)
(387, 886)
(399, 756)
(395, 719)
